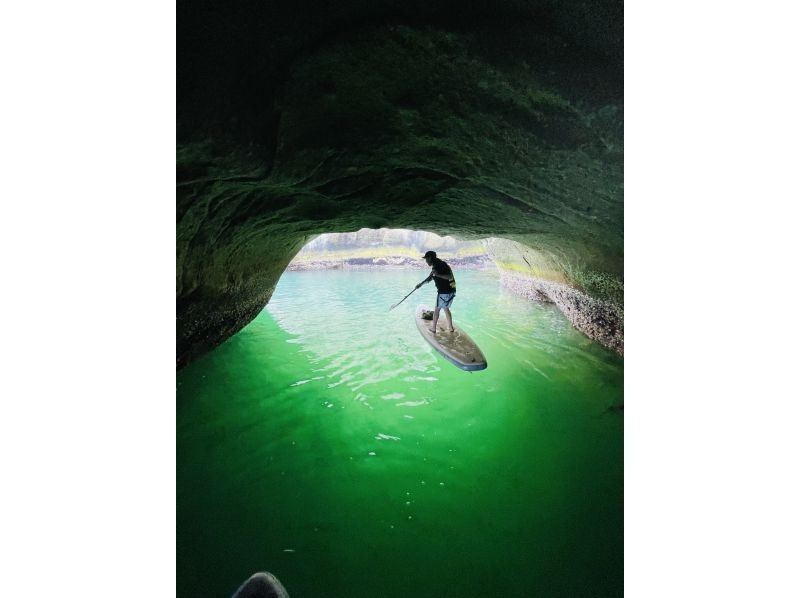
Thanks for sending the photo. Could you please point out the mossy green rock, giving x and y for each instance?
(494, 120)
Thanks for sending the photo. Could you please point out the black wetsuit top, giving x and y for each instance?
(443, 286)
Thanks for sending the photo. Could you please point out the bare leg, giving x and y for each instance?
(435, 318)
(449, 318)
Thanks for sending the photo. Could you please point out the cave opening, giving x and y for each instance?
(341, 438)
(237, 275)
(387, 248)
(333, 419)
(320, 437)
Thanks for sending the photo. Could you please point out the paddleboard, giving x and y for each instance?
(456, 347)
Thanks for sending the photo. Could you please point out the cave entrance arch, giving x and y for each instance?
(537, 275)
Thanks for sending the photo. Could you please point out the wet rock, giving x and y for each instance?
(600, 320)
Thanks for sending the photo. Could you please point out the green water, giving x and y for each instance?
(329, 444)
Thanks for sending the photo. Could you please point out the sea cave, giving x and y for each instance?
(319, 438)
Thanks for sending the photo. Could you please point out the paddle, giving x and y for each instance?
(404, 298)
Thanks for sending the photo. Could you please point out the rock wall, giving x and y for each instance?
(592, 301)
(599, 320)
(476, 120)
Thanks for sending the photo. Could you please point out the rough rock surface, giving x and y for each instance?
(599, 320)
(484, 119)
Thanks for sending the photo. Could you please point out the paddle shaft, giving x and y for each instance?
(403, 299)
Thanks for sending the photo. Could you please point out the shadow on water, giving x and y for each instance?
(328, 444)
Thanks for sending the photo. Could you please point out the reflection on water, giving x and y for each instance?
(330, 444)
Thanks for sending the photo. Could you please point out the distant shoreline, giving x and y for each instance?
(482, 262)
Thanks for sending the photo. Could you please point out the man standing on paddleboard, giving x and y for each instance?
(442, 274)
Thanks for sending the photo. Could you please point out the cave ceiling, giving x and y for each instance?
(470, 119)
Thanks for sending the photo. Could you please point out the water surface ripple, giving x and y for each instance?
(327, 442)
